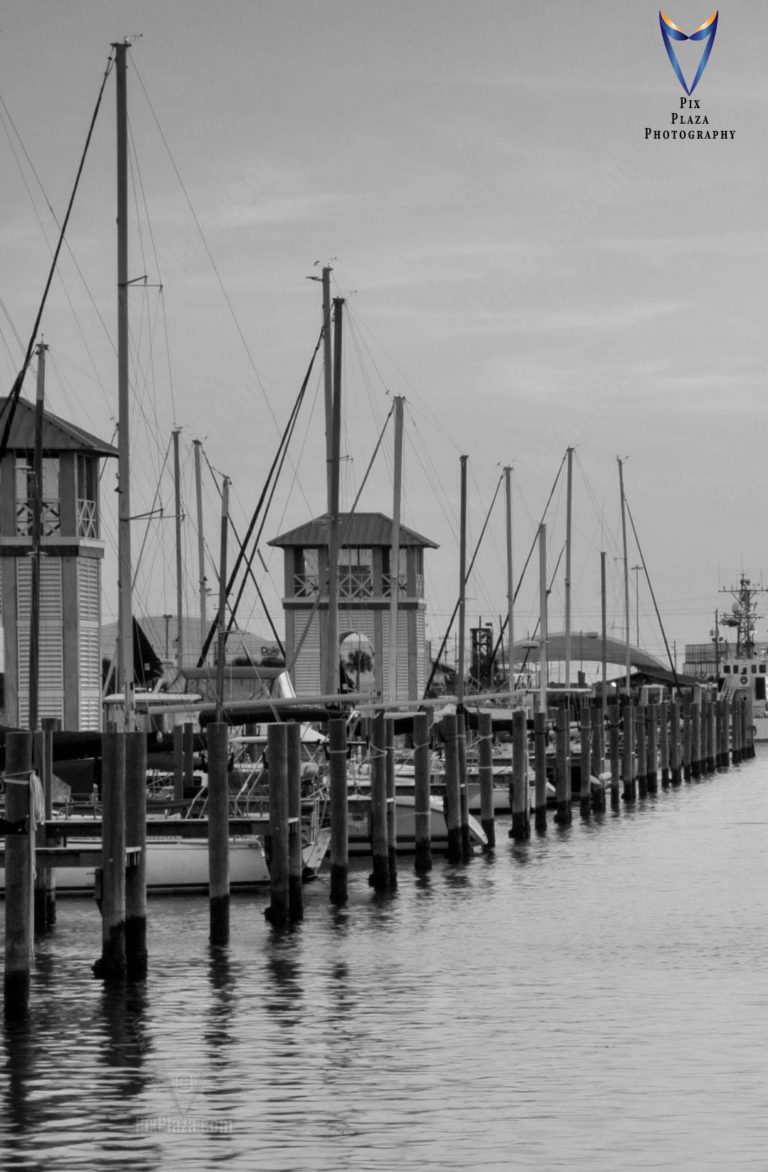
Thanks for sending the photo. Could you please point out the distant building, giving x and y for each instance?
(70, 572)
(366, 577)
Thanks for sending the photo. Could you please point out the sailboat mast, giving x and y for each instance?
(510, 579)
(328, 378)
(394, 596)
(543, 621)
(332, 662)
(37, 533)
(568, 531)
(125, 613)
(200, 541)
(628, 668)
(179, 582)
(221, 646)
(462, 579)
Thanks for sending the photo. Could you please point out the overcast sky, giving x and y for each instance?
(518, 260)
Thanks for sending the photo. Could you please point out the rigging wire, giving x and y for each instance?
(653, 597)
(9, 406)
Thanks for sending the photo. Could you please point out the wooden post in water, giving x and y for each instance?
(521, 821)
(652, 767)
(178, 762)
(337, 750)
(697, 754)
(598, 757)
(45, 877)
(19, 867)
(452, 792)
(585, 764)
(295, 852)
(461, 741)
(379, 877)
(279, 911)
(674, 743)
(687, 740)
(627, 752)
(614, 738)
(664, 743)
(707, 753)
(485, 771)
(389, 762)
(422, 778)
(640, 751)
(738, 732)
(136, 835)
(217, 734)
(189, 755)
(540, 769)
(564, 815)
(726, 733)
(112, 964)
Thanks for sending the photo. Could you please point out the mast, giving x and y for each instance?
(628, 669)
(543, 665)
(332, 662)
(221, 646)
(462, 579)
(328, 378)
(394, 597)
(568, 570)
(125, 613)
(37, 533)
(510, 580)
(179, 583)
(604, 657)
(200, 542)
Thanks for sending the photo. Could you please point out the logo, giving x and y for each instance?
(705, 32)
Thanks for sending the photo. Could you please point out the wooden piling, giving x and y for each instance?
(585, 763)
(389, 761)
(189, 755)
(664, 743)
(726, 739)
(461, 741)
(295, 852)
(485, 770)
(379, 877)
(540, 770)
(136, 956)
(675, 775)
(564, 815)
(738, 733)
(178, 762)
(45, 877)
(652, 749)
(19, 867)
(337, 751)
(614, 744)
(640, 751)
(687, 739)
(112, 964)
(452, 794)
(598, 757)
(422, 765)
(279, 911)
(697, 753)
(521, 821)
(627, 754)
(217, 735)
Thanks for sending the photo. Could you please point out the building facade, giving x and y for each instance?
(69, 675)
(366, 580)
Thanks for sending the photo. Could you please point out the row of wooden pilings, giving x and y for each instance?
(668, 743)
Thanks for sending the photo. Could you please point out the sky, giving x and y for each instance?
(518, 259)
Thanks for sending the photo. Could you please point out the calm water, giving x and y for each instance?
(596, 999)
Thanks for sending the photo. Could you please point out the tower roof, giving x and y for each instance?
(58, 434)
(355, 529)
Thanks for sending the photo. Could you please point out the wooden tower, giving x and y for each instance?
(70, 572)
(364, 605)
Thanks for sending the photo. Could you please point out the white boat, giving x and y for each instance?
(179, 864)
(359, 825)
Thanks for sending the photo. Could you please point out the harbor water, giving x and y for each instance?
(592, 999)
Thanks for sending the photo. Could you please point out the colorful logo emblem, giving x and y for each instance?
(706, 32)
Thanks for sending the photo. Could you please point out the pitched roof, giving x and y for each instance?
(355, 529)
(58, 434)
